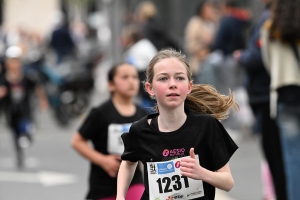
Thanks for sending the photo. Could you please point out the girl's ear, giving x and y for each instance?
(190, 87)
(111, 86)
(149, 89)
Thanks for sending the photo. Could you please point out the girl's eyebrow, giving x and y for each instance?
(178, 73)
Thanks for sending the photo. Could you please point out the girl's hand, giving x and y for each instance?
(111, 165)
(190, 167)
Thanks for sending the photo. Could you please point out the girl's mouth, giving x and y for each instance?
(173, 95)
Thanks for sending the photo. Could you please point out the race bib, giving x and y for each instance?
(166, 182)
(114, 141)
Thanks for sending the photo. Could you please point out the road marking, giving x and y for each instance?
(46, 178)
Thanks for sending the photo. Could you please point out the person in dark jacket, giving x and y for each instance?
(257, 85)
(231, 34)
(61, 41)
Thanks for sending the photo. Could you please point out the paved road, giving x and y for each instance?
(55, 171)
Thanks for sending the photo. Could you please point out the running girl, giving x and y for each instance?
(103, 127)
(184, 148)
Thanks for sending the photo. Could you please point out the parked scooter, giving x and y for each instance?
(69, 86)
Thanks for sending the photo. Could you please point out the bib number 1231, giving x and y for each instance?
(165, 181)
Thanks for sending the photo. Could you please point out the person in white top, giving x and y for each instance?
(281, 52)
(138, 52)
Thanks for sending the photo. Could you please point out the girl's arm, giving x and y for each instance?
(125, 175)
(110, 163)
(221, 179)
(3, 91)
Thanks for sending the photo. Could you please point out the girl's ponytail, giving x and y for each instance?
(205, 99)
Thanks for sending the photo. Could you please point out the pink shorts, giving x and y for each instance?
(134, 192)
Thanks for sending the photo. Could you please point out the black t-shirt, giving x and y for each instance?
(17, 101)
(95, 129)
(203, 132)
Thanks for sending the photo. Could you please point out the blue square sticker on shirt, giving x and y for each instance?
(165, 168)
(125, 127)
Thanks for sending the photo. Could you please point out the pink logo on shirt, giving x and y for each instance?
(165, 152)
(173, 152)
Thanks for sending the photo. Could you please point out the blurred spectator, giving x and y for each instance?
(199, 34)
(78, 30)
(257, 85)
(220, 68)
(138, 51)
(61, 40)
(16, 89)
(281, 48)
(231, 34)
(146, 16)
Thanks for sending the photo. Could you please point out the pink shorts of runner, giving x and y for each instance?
(134, 192)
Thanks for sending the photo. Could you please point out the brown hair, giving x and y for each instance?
(285, 20)
(146, 9)
(203, 98)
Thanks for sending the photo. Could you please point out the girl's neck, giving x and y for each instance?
(171, 120)
(124, 106)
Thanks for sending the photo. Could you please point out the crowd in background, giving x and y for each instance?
(225, 48)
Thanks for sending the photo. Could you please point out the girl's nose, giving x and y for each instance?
(172, 83)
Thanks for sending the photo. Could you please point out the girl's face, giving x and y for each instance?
(170, 84)
(125, 81)
(13, 65)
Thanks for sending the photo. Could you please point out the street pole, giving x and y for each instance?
(114, 9)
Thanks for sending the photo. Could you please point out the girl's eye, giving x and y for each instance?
(163, 79)
(180, 78)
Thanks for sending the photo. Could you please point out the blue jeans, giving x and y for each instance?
(288, 120)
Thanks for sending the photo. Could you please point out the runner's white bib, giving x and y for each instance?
(114, 141)
(166, 182)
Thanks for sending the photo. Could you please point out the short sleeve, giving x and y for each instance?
(89, 127)
(222, 145)
(130, 146)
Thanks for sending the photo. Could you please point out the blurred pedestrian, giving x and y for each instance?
(103, 127)
(281, 49)
(231, 34)
(16, 90)
(184, 131)
(258, 89)
(61, 40)
(139, 51)
(146, 15)
(220, 68)
(199, 34)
